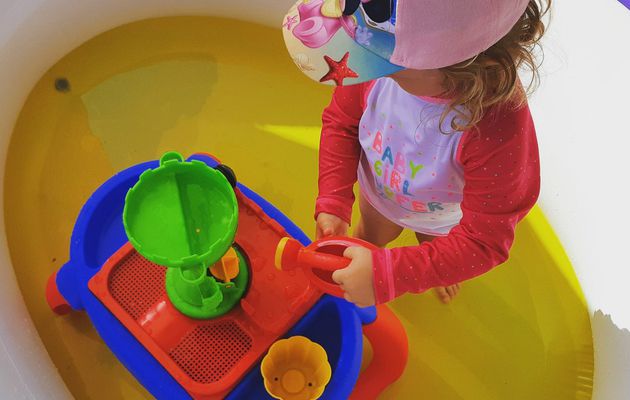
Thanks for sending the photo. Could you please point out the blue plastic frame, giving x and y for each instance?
(99, 233)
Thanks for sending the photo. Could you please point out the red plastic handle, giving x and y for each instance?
(327, 287)
(323, 261)
(317, 256)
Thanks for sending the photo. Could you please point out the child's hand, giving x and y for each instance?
(356, 278)
(330, 225)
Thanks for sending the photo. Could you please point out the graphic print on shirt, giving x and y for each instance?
(393, 175)
(408, 170)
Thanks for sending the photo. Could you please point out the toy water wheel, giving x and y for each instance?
(184, 215)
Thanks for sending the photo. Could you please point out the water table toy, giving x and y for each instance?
(202, 335)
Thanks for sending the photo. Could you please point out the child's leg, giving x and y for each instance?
(373, 227)
(446, 294)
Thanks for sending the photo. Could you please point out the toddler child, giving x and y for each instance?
(430, 118)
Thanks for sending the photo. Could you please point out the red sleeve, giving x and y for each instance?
(502, 183)
(339, 151)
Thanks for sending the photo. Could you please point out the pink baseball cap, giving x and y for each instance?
(345, 42)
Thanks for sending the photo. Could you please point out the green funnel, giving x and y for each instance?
(183, 215)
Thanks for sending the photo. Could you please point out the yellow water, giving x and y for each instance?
(204, 84)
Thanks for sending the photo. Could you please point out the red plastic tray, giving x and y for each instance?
(209, 357)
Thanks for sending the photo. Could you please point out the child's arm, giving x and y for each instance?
(502, 176)
(339, 151)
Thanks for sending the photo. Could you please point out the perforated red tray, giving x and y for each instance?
(209, 357)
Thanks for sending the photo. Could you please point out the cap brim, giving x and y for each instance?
(323, 48)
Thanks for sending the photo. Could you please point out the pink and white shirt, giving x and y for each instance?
(469, 188)
(409, 170)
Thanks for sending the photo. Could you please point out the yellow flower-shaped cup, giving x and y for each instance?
(296, 369)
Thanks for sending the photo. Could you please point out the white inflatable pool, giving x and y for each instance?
(580, 113)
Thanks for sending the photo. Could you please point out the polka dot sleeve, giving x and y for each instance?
(339, 151)
(502, 183)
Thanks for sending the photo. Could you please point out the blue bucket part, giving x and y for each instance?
(334, 324)
(98, 233)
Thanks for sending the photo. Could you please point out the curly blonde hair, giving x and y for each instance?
(491, 77)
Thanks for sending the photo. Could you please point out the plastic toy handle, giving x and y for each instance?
(290, 254)
(323, 261)
(327, 287)
(316, 253)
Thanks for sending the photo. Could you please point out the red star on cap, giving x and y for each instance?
(339, 70)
